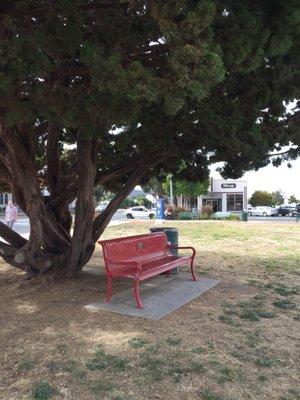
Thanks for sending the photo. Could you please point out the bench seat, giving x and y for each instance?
(141, 257)
(151, 268)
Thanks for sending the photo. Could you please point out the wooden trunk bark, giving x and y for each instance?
(51, 248)
(82, 245)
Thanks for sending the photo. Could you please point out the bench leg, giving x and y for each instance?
(168, 273)
(136, 293)
(108, 289)
(192, 270)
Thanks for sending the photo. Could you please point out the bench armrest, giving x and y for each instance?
(172, 246)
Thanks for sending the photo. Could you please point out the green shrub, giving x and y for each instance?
(172, 211)
(234, 217)
(127, 203)
(224, 216)
(207, 209)
(188, 215)
(204, 217)
(143, 201)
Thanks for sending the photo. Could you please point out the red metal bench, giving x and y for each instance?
(140, 257)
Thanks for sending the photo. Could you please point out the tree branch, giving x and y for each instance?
(69, 194)
(53, 160)
(102, 220)
(7, 249)
(11, 236)
(279, 154)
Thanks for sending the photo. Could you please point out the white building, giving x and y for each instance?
(225, 195)
(4, 199)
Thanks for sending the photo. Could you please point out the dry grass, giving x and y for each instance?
(238, 341)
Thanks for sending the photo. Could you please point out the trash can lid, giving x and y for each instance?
(163, 228)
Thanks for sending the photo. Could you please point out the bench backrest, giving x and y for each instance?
(135, 248)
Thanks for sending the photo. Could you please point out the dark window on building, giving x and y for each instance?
(6, 198)
(234, 202)
(215, 203)
(1, 198)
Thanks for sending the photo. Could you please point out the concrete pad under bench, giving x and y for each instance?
(160, 296)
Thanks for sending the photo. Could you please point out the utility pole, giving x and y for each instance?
(171, 190)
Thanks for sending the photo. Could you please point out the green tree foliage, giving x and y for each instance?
(126, 203)
(277, 198)
(112, 93)
(185, 187)
(101, 194)
(154, 186)
(293, 199)
(261, 198)
(143, 201)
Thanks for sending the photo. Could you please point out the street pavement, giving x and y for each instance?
(279, 218)
(22, 225)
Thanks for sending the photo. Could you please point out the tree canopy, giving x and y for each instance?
(263, 198)
(293, 199)
(277, 198)
(111, 93)
(161, 187)
(186, 188)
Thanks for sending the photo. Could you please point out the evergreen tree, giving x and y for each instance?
(293, 199)
(155, 187)
(277, 198)
(112, 93)
(261, 198)
(186, 188)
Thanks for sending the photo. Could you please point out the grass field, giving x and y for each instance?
(237, 341)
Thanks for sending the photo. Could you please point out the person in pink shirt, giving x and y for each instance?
(11, 214)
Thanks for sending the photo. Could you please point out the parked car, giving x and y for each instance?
(139, 212)
(102, 206)
(296, 211)
(263, 211)
(287, 210)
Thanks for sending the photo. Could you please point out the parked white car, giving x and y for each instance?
(102, 206)
(263, 211)
(139, 212)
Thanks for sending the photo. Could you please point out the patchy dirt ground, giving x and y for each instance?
(237, 341)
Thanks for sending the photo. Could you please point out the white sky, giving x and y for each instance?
(272, 178)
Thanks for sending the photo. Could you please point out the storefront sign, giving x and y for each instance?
(221, 186)
(228, 185)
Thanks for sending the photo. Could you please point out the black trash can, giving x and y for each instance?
(172, 236)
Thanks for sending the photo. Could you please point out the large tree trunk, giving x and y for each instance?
(51, 248)
(82, 245)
